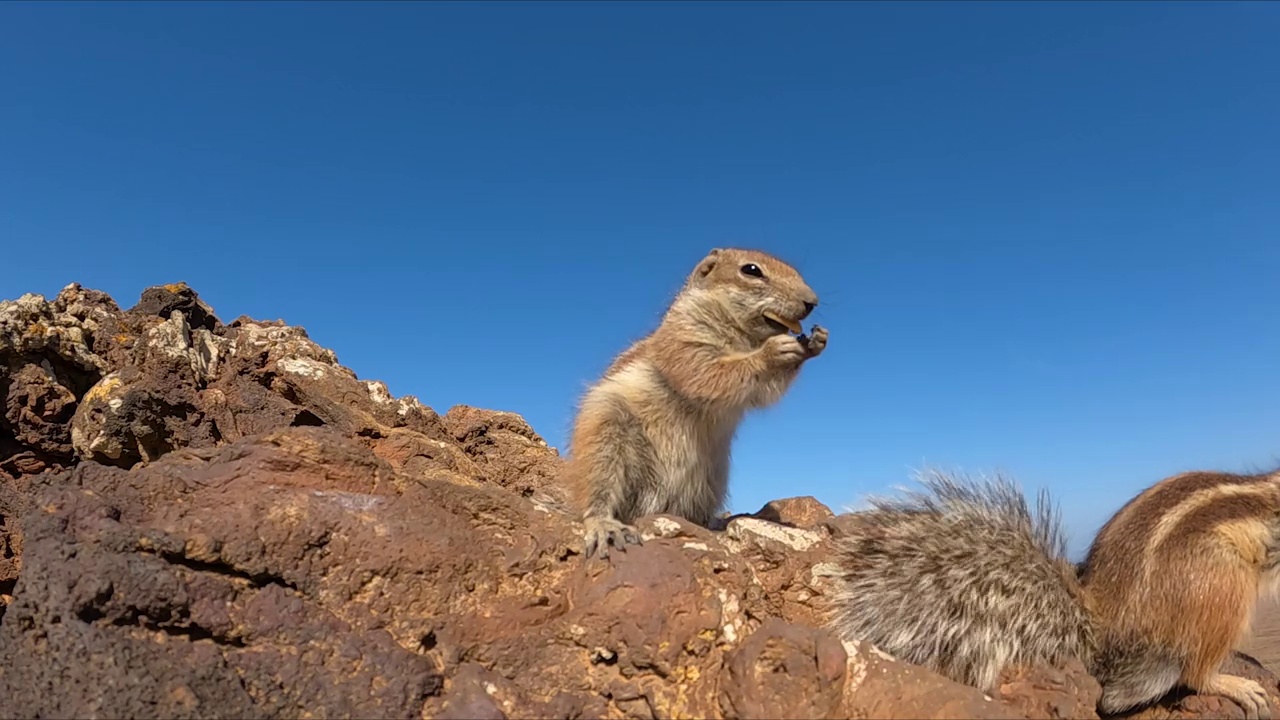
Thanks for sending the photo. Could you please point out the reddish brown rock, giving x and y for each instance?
(163, 300)
(46, 364)
(507, 451)
(1045, 692)
(785, 671)
(278, 575)
(189, 587)
(882, 687)
(801, 512)
(83, 380)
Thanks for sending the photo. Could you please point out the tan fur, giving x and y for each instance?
(654, 434)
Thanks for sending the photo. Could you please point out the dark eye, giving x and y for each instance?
(753, 270)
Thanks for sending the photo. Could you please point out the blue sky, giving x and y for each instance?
(1044, 234)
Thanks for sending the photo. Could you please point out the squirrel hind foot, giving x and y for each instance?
(1248, 694)
(603, 532)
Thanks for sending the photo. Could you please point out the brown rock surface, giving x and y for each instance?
(802, 512)
(201, 519)
(1044, 692)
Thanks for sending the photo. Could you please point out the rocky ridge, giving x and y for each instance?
(201, 519)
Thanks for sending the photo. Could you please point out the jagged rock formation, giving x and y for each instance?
(209, 520)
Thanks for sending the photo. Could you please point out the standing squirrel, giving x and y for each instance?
(653, 435)
(963, 578)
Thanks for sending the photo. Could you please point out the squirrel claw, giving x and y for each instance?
(815, 342)
(601, 533)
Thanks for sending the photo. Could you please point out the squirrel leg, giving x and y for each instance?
(611, 467)
(1222, 624)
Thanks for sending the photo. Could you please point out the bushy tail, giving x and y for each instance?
(962, 578)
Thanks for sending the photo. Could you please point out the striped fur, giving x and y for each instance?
(1174, 578)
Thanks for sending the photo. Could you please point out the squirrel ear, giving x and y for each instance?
(708, 263)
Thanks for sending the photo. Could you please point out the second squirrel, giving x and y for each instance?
(965, 579)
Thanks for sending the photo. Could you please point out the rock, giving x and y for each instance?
(46, 364)
(801, 512)
(83, 380)
(190, 606)
(784, 670)
(32, 330)
(473, 695)
(1046, 692)
(883, 687)
(164, 300)
(152, 406)
(38, 408)
(200, 519)
(507, 451)
(10, 550)
(277, 575)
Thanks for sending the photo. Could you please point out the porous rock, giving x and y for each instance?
(1063, 693)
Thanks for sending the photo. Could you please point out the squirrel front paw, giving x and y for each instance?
(783, 351)
(815, 342)
(601, 532)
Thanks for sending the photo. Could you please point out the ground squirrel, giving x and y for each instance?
(653, 434)
(965, 579)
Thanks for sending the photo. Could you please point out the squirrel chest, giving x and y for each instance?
(691, 440)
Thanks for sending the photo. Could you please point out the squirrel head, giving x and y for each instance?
(765, 295)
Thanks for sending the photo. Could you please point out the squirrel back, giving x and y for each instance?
(962, 578)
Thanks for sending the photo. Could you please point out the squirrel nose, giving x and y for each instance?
(808, 308)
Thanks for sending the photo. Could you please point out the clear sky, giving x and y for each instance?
(1046, 236)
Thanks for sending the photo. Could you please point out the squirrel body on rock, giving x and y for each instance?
(653, 435)
(965, 579)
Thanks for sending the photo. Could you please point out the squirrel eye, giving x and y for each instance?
(753, 270)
